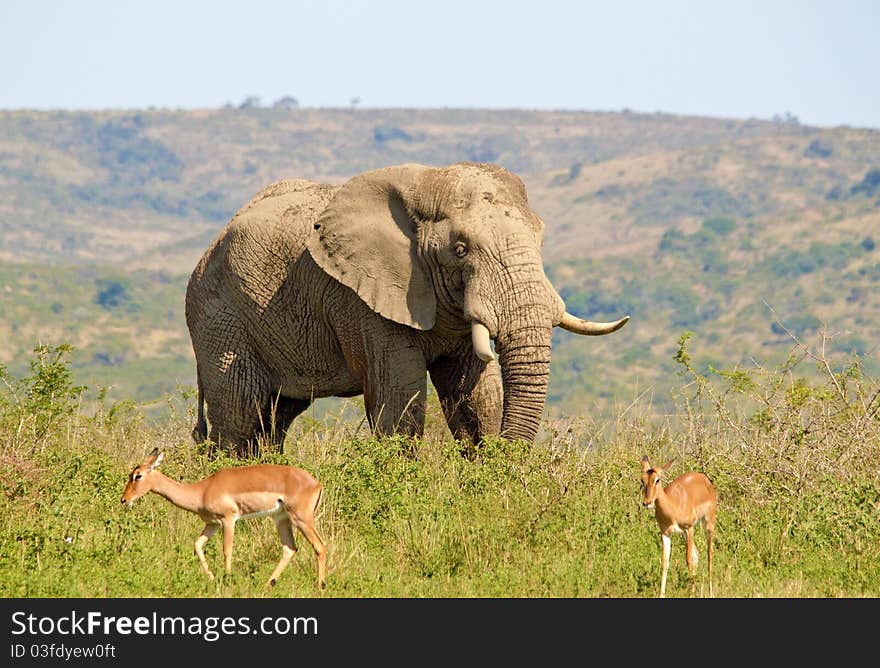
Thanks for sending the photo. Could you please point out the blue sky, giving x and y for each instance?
(816, 59)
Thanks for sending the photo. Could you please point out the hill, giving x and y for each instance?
(745, 232)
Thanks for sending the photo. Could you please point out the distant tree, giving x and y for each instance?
(787, 118)
(835, 194)
(574, 171)
(798, 324)
(870, 185)
(818, 148)
(383, 133)
(720, 225)
(250, 102)
(286, 102)
(355, 101)
(673, 240)
(111, 293)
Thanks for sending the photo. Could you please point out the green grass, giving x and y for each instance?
(795, 477)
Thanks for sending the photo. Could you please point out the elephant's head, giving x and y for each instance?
(454, 250)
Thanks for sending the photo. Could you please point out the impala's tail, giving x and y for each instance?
(318, 499)
(200, 431)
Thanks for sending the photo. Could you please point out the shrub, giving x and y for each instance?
(719, 225)
(42, 400)
(869, 185)
(112, 292)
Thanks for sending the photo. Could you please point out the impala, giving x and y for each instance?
(287, 494)
(685, 502)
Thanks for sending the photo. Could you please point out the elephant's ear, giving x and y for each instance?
(366, 240)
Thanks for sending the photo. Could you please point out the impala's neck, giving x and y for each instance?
(183, 495)
(666, 504)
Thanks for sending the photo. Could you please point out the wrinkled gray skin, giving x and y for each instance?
(315, 290)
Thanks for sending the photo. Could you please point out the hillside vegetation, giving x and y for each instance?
(745, 232)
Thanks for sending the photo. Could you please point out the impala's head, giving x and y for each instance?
(652, 483)
(139, 481)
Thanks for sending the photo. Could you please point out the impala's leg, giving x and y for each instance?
(710, 535)
(692, 556)
(306, 524)
(207, 532)
(288, 546)
(667, 547)
(228, 535)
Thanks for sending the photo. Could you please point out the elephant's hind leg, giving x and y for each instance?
(200, 431)
(239, 394)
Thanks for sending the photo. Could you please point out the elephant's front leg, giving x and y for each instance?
(395, 386)
(470, 394)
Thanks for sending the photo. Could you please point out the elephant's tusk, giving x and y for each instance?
(578, 326)
(482, 345)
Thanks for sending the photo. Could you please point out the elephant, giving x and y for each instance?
(369, 287)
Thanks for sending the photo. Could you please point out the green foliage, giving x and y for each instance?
(122, 147)
(30, 407)
(721, 226)
(574, 171)
(706, 248)
(595, 303)
(792, 263)
(109, 317)
(869, 185)
(670, 200)
(112, 292)
(819, 148)
(385, 133)
(797, 324)
(792, 460)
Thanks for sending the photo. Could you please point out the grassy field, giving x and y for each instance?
(793, 460)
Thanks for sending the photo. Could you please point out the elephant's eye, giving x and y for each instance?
(461, 249)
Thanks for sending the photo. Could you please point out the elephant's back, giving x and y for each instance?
(289, 201)
(255, 251)
(281, 214)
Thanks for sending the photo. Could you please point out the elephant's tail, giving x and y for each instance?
(200, 431)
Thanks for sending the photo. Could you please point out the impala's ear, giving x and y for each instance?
(153, 459)
(367, 240)
(646, 465)
(667, 465)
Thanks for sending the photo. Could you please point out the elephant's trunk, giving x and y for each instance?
(524, 357)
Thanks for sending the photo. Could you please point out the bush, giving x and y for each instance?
(112, 292)
(37, 403)
(870, 185)
(819, 148)
(797, 324)
(720, 226)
